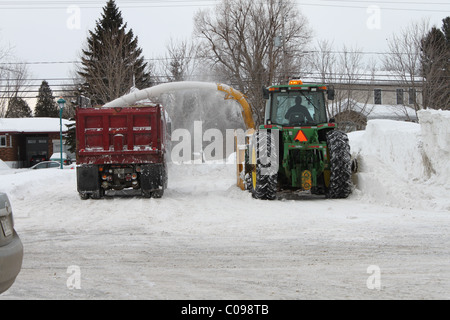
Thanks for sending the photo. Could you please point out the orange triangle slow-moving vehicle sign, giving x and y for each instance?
(301, 137)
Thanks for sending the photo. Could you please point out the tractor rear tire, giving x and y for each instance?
(264, 178)
(248, 182)
(340, 165)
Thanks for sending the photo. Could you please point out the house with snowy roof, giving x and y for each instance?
(363, 96)
(376, 87)
(354, 115)
(23, 138)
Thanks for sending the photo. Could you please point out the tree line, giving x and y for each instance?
(246, 44)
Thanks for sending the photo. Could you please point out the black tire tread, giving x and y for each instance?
(340, 165)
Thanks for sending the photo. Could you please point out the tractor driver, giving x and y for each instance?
(298, 108)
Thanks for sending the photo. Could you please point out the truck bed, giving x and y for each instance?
(120, 135)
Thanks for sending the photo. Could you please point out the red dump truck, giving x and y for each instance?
(121, 148)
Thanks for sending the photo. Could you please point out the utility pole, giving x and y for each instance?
(283, 30)
(61, 103)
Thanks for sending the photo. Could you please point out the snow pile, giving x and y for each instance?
(435, 127)
(3, 165)
(404, 164)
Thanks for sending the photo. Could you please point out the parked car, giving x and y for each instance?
(57, 157)
(47, 165)
(36, 159)
(52, 165)
(11, 248)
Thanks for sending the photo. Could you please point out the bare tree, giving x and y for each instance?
(350, 76)
(237, 38)
(353, 80)
(404, 57)
(180, 60)
(323, 61)
(13, 80)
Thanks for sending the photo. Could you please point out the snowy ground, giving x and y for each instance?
(207, 239)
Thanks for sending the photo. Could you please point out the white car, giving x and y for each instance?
(51, 165)
(11, 248)
(57, 157)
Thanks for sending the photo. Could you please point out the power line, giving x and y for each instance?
(365, 7)
(32, 5)
(198, 58)
(314, 76)
(392, 2)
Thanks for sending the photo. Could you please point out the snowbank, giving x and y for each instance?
(435, 129)
(396, 145)
(404, 164)
(3, 165)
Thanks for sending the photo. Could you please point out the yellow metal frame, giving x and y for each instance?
(240, 98)
(247, 115)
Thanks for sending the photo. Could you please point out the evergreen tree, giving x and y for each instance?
(435, 67)
(46, 105)
(71, 137)
(18, 108)
(112, 62)
(446, 30)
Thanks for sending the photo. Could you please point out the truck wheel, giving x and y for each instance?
(264, 175)
(340, 165)
(96, 195)
(158, 194)
(84, 196)
(146, 194)
(153, 180)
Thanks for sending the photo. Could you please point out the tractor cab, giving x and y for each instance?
(296, 104)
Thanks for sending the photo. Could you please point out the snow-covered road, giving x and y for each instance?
(207, 239)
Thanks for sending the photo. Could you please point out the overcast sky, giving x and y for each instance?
(47, 33)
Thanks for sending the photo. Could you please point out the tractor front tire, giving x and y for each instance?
(263, 177)
(340, 185)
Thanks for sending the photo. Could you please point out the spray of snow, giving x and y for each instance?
(203, 101)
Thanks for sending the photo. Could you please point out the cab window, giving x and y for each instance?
(283, 101)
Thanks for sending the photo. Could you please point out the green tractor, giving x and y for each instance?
(298, 147)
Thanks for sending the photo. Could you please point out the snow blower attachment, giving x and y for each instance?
(297, 147)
